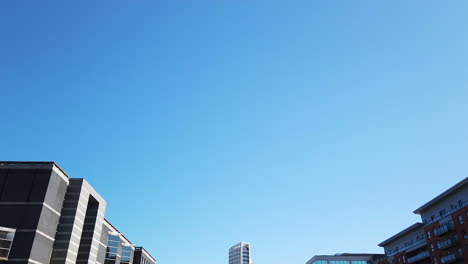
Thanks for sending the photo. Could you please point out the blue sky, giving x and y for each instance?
(303, 127)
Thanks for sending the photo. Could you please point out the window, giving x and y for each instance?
(432, 247)
(321, 262)
(112, 249)
(126, 254)
(460, 219)
(435, 260)
(6, 239)
(428, 234)
(432, 217)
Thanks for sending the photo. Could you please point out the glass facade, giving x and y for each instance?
(320, 262)
(126, 255)
(112, 249)
(6, 239)
(118, 252)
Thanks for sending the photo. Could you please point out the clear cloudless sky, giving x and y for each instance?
(303, 127)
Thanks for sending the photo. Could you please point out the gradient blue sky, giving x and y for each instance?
(303, 127)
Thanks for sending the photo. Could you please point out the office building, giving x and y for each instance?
(442, 235)
(50, 218)
(346, 258)
(240, 254)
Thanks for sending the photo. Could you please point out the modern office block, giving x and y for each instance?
(49, 218)
(441, 238)
(346, 258)
(31, 198)
(143, 257)
(240, 254)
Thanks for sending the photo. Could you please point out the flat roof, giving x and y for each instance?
(32, 164)
(239, 244)
(443, 195)
(123, 236)
(402, 233)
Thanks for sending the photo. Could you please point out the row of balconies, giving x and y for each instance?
(410, 246)
(444, 229)
(418, 257)
(448, 212)
(451, 257)
(447, 243)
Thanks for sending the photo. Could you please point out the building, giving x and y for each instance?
(442, 235)
(346, 258)
(240, 254)
(143, 257)
(406, 246)
(117, 249)
(50, 218)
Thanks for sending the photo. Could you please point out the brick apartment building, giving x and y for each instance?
(441, 237)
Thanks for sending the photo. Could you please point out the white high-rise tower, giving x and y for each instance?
(240, 254)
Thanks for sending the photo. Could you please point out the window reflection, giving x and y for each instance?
(6, 240)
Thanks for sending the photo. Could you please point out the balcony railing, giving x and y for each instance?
(447, 243)
(451, 257)
(448, 212)
(443, 229)
(410, 247)
(418, 257)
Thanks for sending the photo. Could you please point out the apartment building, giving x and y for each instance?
(49, 218)
(407, 246)
(442, 235)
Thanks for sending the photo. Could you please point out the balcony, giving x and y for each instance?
(445, 228)
(408, 248)
(448, 212)
(418, 257)
(447, 243)
(416, 245)
(451, 257)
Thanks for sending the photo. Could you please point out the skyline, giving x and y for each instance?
(322, 124)
(45, 184)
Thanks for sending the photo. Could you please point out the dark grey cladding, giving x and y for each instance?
(31, 196)
(142, 256)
